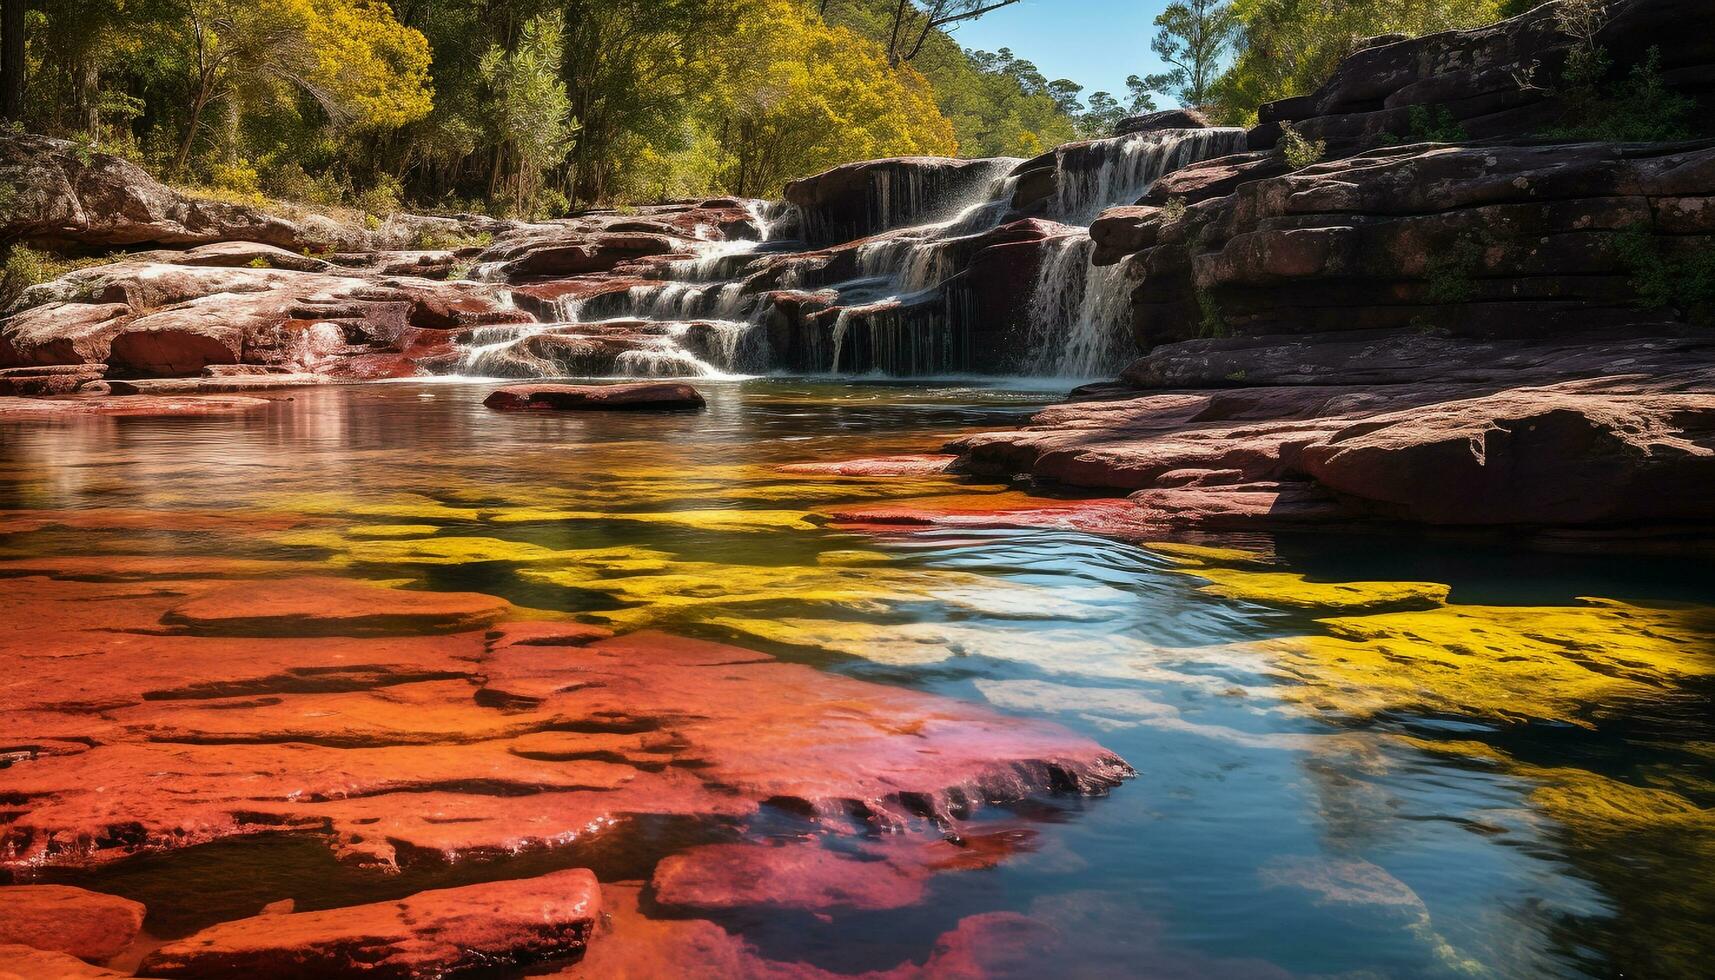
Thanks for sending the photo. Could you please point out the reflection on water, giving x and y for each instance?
(1400, 757)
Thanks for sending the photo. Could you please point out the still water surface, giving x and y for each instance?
(1516, 783)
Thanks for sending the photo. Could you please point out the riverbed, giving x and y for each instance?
(1384, 754)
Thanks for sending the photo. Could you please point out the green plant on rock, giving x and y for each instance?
(1684, 282)
(1174, 209)
(25, 267)
(1452, 271)
(1641, 108)
(1434, 125)
(1300, 150)
(1214, 322)
(260, 263)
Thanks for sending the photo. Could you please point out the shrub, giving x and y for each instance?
(25, 267)
(383, 197)
(1436, 125)
(1300, 151)
(260, 263)
(1452, 271)
(237, 178)
(1684, 283)
(1174, 209)
(1214, 322)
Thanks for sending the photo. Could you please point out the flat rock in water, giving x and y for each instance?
(320, 606)
(432, 933)
(645, 395)
(135, 406)
(63, 919)
(29, 963)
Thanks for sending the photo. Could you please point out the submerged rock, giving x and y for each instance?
(59, 918)
(440, 933)
(560, 398)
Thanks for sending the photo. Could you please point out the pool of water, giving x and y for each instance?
(1514, 781)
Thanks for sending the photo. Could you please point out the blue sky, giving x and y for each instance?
(1095, 43)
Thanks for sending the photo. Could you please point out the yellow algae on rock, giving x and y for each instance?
(853, 556)
(706, 520)
(1293, 591)
(408, 506)
(1568, 664)
(392, 530)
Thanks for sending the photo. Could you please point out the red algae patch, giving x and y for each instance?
(914, 464)
(324, 606)
(436, 933)
(487, 741)
(59, 918)
(14, 409)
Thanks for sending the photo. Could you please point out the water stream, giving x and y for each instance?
(1444, 792)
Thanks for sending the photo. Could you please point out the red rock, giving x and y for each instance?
(85, 924)
(642, 395)
(890, 873)
(396, 749)
(916, 464)
(141, 406)
(56, 379)
(439, 933)
(1530, 457)
(61, 333)
(316, 606)
(29, 963)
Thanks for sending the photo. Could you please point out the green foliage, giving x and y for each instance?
(1639, 109)
(1436, 125)
(1452, 271)
(1191, 37)
(25, 267)
(1300, 150)
(1290, 47)
(260, 263)
(1214, 322)
(1684, 282)
(429, 240)
(530, 108)
(1174, 210)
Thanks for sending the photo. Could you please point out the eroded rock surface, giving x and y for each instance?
(59, 918)
(441, 933)
(657, 396)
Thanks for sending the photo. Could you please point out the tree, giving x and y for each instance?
(1103, 115)
(351, 57)
(12, 60)
(531, 112)
(915, 20)
(1192, 36)
(789, 95)
(1142, 99)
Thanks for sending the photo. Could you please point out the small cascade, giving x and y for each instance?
(1080, 313)
(1103, 173)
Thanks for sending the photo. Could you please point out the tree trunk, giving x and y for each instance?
(183, 155)
(12, 60)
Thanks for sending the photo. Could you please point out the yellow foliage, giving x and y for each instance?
(791, 95)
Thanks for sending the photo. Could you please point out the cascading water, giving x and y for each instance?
(901, 302)
(1081, 313)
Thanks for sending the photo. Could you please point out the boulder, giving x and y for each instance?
(1149, 122)
(659, 396)
(1500, 80)
(443, 932)
(60, 918)
(857, 200)
(67, 197)
(1530, 457)
(29, 963)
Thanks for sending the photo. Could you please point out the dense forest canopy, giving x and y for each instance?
(537, 106)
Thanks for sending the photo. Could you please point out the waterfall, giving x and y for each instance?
(898, 301)
(1105, 173)
(1080, 313)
